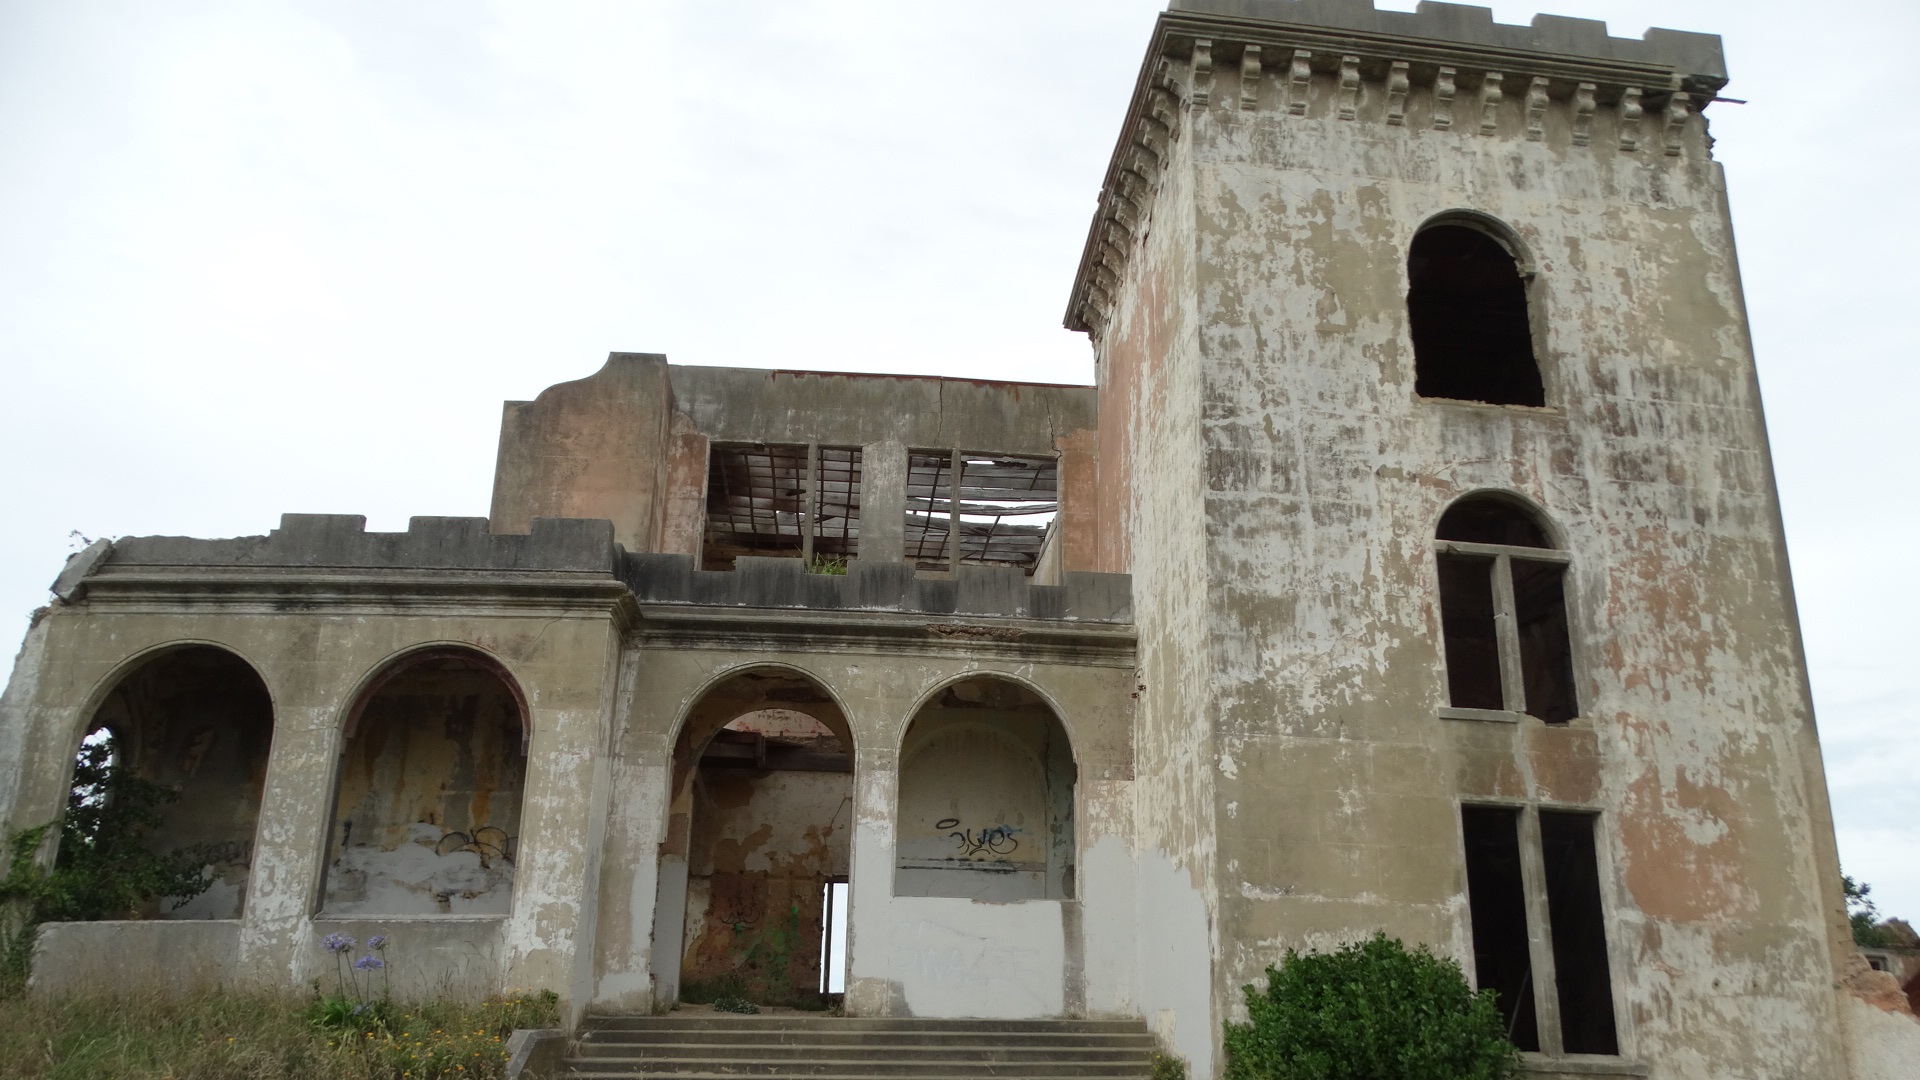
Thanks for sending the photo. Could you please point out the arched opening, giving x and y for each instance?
(1503, 611)
(761, 831)
(986, 797)
(1467, 308)
(426, 815)
(196, 720)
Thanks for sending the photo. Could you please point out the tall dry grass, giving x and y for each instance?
(229, 1035)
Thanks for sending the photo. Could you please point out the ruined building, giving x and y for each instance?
(1415, 564)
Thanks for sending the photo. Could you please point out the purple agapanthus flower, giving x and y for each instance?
(377, 942)
(337, 943)
(369, 963)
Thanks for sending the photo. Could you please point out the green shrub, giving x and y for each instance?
(1369, 1011)
(105, 868)
(1168, 1067)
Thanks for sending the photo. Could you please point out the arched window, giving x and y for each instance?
(1467, 307)
(196, 720)
(426, 813)
(986, 797)
(1503, 612)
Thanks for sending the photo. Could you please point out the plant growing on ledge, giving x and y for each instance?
(1371, 1010)
(105, 867)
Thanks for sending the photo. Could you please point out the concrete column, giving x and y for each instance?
(1079, 520)
(876, 783)
(883, 501)
(290, 845)
(550, 935)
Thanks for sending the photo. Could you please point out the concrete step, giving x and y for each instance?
(775, 1040)
(706, 1046)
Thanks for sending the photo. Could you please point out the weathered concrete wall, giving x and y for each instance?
(797, 407)
(1285, 205)
(318, 632)
(111, 955)
(596, 447)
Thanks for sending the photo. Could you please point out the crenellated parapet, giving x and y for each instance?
(338, 546)
(975, 591)
(1446, 69)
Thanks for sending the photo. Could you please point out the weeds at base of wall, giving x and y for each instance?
(1168, 1067)
(227, 1035)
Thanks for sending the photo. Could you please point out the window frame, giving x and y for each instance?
(1540, 952)
(1506, 624)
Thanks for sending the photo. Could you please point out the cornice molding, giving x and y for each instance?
(1447, 48)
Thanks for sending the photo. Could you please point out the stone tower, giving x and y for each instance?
(1429, 432)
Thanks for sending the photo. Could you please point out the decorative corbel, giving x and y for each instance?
(1397, 83)
(1676, 122)
(1443, 91)
(1104, 276)
(1249, 78)
(1349, 87)
(1202, 72)
(1153, 134)
(1143, 163)
(1300, 82)
(1630, 112)
(1536, 110)
(1583, 114)
(1490, 98)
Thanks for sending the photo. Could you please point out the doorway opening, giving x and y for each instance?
(833, 938)
(759, 846)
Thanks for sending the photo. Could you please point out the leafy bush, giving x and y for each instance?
(105, 868)
(1369, 1011)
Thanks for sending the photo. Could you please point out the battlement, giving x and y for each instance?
(986, 591)
(580, 546)
(341, 541)
(1467, 27)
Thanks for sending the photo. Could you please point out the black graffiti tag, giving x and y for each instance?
(996, 840)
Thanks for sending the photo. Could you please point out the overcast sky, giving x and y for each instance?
(264, 256)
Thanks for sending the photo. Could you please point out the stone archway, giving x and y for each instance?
(760, 829)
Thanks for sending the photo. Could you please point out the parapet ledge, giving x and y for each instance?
(984, 591)
(341, 541)
(1465, 24)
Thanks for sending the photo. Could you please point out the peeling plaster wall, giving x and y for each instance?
(1151, 495)
(427, 816)
(1302, 670)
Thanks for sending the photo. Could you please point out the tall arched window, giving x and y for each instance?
(196, 719)
(427, 801)
(1467, 307)
(1503, 612)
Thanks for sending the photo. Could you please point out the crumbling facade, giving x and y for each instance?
(1414, 565)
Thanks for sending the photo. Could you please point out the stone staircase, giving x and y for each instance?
(710, 1046)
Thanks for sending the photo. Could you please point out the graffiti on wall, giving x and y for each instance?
(993, 840)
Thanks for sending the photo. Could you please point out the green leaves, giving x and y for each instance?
(105, 868)
(1369, 1011)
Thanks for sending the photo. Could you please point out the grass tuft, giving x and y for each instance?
(229, 1035)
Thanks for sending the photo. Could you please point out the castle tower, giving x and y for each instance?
(1429, 432)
